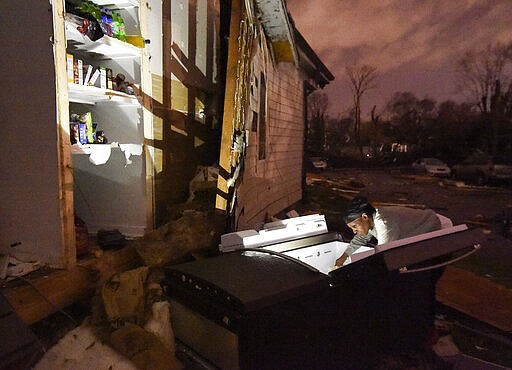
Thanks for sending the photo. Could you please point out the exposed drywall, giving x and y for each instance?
(30, 215)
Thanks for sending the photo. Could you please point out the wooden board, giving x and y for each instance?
(221, 201)
(476, 296)
(41, 295)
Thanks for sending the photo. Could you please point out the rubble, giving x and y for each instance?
(205, 178)
(144, 348)
(15, 267)
(192, 235)
(81, 349)
(129, 329)
(130, 323)
(144, 338)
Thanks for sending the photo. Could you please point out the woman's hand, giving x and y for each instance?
(340, 261)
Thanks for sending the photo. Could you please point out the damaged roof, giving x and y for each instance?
(287, 42)
(274, 17)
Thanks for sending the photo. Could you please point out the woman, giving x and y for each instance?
(373, 226)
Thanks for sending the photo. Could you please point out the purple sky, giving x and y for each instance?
(414, 44)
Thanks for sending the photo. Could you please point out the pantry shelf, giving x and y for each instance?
(106, 45)
(99, 154)
(118, 3)
(92, 95)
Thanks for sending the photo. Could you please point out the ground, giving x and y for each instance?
(483, 207)
(486, 208)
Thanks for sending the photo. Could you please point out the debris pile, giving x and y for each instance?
(130, 325)
(191, 236)
(130, 328)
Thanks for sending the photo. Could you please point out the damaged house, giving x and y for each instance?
(262, 149)
(107, 130)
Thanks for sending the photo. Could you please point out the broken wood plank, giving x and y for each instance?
(67, 253)
(44, 295)
(476, 296)
(221, 201)
(38, 296)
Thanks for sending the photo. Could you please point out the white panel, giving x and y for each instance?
(155, 34)
(30, 207)
(179, 18)
(201, 35)
(111, 196)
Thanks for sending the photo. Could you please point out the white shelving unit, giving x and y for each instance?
(47, 180)
(107, 46)
(119, 3)
(109, 184)
(92, 95)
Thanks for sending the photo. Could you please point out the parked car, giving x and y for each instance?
(481, 168)
(432, 167)
(318, 163)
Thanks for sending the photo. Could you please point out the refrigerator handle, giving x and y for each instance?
(405, 270)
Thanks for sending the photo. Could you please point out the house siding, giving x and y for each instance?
(261, 162)
(274, 183)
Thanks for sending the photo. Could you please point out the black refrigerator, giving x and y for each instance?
(279, 307)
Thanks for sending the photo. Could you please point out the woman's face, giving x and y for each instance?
(361, 225)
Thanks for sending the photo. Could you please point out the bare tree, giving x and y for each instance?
(487, 76)
(362, 78)
(318, 102)
(317, 106)
(411, 117)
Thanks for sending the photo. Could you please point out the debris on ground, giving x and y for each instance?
(130, 325)
(463, 340)
(111, 239)
(193, 234)
(144, 348)
(16, 268)
(205, 178)
(129, 328)
(82, 349)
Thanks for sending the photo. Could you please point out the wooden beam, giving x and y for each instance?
(38, 295)
(149, 145)
(476, 296)
(229, 107)
(67, 223)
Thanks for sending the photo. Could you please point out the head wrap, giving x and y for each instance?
(357, 207)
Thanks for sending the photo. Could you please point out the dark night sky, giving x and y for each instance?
(414, 44)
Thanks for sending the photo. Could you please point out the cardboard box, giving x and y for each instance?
(82, 133)
(103, 77)
(94, 77)
(70, 66)
(80, 68)
(88, 73)
(110, 79)
(78, 71)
